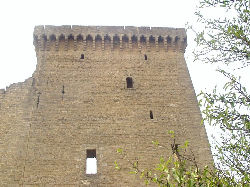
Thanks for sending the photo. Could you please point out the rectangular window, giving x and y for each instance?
(91, 162)
(129, 81)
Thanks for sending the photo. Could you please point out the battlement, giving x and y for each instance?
(108, 37)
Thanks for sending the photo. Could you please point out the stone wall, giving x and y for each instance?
(77, 99)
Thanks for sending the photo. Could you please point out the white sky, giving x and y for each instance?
(91, 166)
(18, 18)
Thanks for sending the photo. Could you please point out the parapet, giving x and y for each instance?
(109, 37)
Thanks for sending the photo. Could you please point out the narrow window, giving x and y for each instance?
(129, 82)
(146, 57)
(151, 114)
(38, 100)
(82, 56)
(91, 162)
(63, 92)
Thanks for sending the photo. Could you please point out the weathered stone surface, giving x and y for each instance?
(71, 104)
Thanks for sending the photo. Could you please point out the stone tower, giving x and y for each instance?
(96, 89)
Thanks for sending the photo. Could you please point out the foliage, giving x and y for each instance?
(230, 112)
(179, 169)
(225, 40)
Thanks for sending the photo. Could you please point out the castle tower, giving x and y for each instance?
(96, 89)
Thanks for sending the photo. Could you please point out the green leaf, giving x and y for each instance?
(119, 150)
(156, 143)
(116, 166)
(171, 132)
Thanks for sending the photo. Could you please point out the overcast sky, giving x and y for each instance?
(18, 18)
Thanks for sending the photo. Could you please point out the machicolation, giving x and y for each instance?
(101, 38)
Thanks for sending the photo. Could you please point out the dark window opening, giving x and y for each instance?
(91, 153)
(125, 38)
(143, 39)
(71, 37)
(129, 81)
(151, 114)
(71, 41)
(107, 39)
(151, 39)
(38, 99)
(61, 44)
(91, 162)
(145, 57)
(52, 38)
(89, 39)
(169, 39)
(160, 40)
(61, 37)
(98, 38)
(134, 39)
(63, 92)
(79, 38)
(98, 41)
(176, 39)
(116, 39)
(82, 56)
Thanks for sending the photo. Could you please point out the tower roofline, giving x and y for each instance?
(161, 37)
(130, 30)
